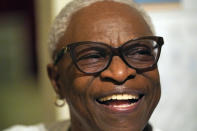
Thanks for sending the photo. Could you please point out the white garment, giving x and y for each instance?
(59, 126)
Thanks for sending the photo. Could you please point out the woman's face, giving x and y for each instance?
(114, 24)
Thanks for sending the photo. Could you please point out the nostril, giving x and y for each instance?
(117, 81)
(130, 77)
(113, 81)
(108, 79)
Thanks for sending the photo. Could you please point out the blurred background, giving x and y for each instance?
(26, 96)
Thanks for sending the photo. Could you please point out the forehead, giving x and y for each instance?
(109, 22)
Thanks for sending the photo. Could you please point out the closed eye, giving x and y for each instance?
(92, 56)
(142, 52)
(138, 51)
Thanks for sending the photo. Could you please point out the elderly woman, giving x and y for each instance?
(104, 65)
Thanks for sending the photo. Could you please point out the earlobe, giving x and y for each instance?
(54, 78)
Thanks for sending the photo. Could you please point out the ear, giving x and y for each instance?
(54, 78)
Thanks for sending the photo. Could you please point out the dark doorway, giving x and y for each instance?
(18, 44)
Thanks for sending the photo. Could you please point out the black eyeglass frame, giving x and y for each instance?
(115, 52)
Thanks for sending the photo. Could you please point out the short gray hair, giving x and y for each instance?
(62, 20)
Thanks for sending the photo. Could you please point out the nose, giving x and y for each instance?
(118, 71)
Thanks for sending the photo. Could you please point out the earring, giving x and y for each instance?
(59, 102)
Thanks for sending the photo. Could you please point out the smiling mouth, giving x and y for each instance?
(120, 101)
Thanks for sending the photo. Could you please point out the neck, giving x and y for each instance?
(148, 127)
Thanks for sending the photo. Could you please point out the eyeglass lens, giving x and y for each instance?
(92, 57)
(140, 54)
(95, 57)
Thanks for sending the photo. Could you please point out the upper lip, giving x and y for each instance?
(120, 90)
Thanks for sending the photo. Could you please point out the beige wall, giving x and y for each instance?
(44, 17)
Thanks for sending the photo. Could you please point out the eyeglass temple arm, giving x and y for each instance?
(160, 41)
(60, 55)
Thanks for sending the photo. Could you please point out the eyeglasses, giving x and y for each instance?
(94, 57)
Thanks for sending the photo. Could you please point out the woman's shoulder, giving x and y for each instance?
(57, 126)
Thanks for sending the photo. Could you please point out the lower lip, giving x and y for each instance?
(123, 109)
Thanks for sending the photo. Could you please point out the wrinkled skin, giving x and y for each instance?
(111, 23)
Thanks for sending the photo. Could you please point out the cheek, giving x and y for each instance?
(154, 88)
(81, 85)
(76, 84)
(155, 85)
(153, 76)
(78, 98)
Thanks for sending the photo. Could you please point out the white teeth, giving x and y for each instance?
(123, 106)
(119, 97)
(114, 97)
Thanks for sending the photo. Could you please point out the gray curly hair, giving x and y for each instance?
(62, 20)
